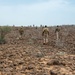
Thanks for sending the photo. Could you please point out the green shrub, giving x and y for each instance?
(2, 41)
(3, 31)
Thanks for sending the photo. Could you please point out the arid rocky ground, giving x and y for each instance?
(28, 56)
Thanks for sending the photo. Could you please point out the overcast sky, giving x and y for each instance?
(29, 12)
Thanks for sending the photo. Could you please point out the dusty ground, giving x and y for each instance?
(28, 56)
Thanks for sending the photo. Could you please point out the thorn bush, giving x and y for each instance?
(3, 31)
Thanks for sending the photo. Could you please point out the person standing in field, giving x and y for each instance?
(21, 32)
(45, 34)
(57, 30)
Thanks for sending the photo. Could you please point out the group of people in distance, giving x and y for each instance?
(45, 34)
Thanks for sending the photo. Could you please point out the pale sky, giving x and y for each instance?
(29, 12)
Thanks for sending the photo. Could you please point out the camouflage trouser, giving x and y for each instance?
(45, 39)
(57, 36)
(20, 36)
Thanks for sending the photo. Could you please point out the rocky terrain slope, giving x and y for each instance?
(28, 56)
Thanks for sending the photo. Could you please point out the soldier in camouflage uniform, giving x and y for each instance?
(57, 30)
(45, 35)
(21, 31)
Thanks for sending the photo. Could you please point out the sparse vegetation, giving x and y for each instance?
(30, 57)
(3, 31)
